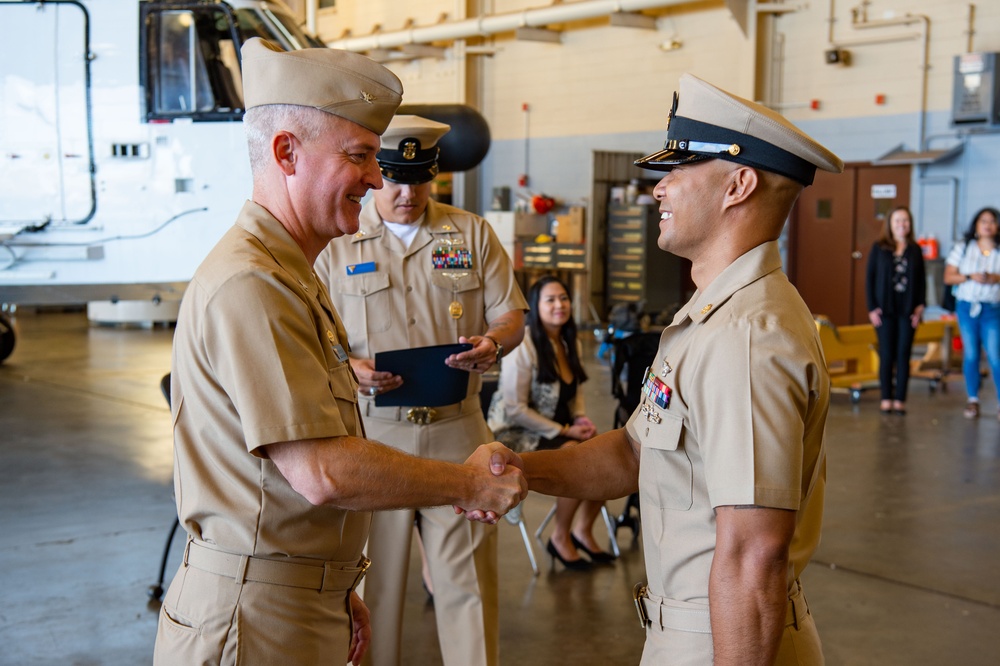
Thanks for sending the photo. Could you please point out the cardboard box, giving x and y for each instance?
(530, 225)
(570, 229)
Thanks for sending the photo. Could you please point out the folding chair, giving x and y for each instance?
(515, 517)
(155, 591)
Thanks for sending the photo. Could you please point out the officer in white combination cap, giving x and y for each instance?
(726, 448)
(274, 479)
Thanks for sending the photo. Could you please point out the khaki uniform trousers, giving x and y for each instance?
(462, 555)
(219, 611)
(680, 634)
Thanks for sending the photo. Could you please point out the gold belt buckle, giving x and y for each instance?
(420, 415)
(638, 593)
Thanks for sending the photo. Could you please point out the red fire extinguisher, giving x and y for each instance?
(929, 247)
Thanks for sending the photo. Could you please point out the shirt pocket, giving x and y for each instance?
(342, 383)
(468, 293)
(367, 298)
(665, 471)
(345, 391)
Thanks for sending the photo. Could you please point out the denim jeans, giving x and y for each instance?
(981, 331)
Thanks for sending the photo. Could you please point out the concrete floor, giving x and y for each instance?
(907, 573)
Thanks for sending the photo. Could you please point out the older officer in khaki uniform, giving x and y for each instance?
(421, 273)
(726, 448)
(273, 479)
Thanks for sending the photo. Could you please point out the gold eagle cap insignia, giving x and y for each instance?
(673, 110)
(409, 150)
(367, 96)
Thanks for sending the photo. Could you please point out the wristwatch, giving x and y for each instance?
(497, 345)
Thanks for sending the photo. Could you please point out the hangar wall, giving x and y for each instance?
(605, 87)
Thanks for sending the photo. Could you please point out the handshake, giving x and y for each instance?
(499, 481)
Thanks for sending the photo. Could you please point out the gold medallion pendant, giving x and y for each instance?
(455, 310)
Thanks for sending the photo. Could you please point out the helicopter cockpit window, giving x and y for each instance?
(277, 27)
(192, 67)
(182, 79)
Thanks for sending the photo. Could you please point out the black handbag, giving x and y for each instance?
(948, 298)
(948, 292)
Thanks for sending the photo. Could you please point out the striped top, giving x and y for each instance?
(969, 259)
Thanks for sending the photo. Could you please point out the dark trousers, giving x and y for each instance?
(895, 344)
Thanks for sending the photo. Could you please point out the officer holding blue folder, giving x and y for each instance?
(420, 273)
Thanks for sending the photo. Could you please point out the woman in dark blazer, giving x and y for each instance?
(896, 290)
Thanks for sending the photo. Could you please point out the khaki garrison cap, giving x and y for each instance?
(409, 153)
(706, 122)
(341, 83)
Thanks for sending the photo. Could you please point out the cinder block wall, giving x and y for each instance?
(609, 88)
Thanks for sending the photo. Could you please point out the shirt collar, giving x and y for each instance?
(259, 222)
(369, 224)
(748, 268)
(432, 224)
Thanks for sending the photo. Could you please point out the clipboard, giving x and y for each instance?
(427, 381)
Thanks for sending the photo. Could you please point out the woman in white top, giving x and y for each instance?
(974, 267)
(539, 405)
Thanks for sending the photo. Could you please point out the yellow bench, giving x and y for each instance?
(852, 354)
(938, 361)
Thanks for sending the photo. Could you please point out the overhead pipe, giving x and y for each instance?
(483, 26)
(908, 19)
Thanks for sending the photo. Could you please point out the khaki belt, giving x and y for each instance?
(324, 576)
(419, 415)
(661, 613)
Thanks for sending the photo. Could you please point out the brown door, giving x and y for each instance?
(833, 226)
(880, 189)
(821, 241)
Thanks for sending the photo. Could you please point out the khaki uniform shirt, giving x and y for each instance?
(404, 302)
(749, 394)
(259, 357)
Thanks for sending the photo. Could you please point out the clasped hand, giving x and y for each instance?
(503, 483)
(582, 429)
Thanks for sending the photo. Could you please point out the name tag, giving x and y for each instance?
(358, 269)
(338, 351)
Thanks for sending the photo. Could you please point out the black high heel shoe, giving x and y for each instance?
(596, 556)
(575, 565)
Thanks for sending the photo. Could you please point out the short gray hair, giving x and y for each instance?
(261, 122)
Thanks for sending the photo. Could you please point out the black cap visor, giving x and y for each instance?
(667, 159)
(724, 144)
(411, 174)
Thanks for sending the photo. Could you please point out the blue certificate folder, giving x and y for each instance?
(427, 381)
